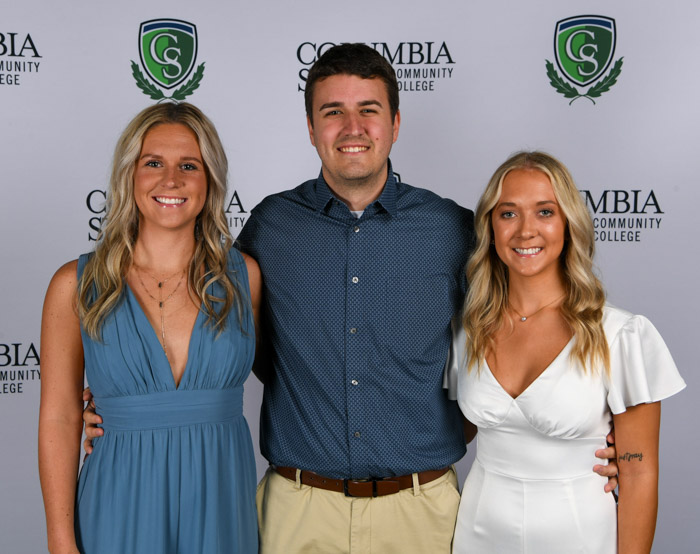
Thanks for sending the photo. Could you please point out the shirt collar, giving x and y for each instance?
(386, 200)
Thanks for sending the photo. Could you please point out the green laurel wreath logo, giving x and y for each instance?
(604, 85)
(149, 89)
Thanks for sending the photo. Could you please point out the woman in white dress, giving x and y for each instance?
(545, 368)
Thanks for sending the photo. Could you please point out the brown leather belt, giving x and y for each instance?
(364, 488)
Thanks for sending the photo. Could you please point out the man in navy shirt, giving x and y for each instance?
(362, 274)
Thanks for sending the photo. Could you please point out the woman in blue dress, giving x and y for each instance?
(161, 319)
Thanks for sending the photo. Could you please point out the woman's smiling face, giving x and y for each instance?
(170, 180)
(528, 224)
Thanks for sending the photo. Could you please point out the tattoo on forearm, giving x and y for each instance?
(629, 456)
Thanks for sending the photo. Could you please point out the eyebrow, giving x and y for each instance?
(340, 104)
(540, 203)
(158, 156)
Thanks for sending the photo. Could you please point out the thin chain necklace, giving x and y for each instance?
(161, 301)
(524, 318)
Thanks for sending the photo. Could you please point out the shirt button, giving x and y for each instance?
(356, 434)
(355, 280)
(356, 229)
(354, 382)
(353, 330)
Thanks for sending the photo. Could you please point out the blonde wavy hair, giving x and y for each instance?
(487, 300)
(103, 280)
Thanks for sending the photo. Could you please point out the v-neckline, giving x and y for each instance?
(564, 349)
(154, 336)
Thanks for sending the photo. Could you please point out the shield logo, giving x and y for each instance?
(168, 50)
(584, 47)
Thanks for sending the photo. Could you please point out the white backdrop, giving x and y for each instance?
(67, 91)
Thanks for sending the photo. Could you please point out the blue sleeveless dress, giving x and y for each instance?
(174, 472)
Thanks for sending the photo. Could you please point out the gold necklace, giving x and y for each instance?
(160, 300)
(524, 318)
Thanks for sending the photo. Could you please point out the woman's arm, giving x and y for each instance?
(637, 440)
(60, 421)
(255, 285)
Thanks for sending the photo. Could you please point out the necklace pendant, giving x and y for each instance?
(160, 305)
(160, 285)
(523, 319)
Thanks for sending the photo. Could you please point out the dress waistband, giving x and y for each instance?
(161, 410)
(531, 456)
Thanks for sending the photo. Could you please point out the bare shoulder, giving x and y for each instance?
(67, 273)
(63, 285)
(252, 267)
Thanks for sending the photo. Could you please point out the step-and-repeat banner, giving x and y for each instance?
(611, 88)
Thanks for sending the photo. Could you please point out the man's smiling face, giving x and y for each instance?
(352, 130)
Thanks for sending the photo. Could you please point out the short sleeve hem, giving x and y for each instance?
(642, 369)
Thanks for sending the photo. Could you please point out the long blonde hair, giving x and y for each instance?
(487, 300)
(102, 283)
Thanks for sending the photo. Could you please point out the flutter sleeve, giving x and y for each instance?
(455, 358)
(641, 367)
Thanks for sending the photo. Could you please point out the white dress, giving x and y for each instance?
(531, 488)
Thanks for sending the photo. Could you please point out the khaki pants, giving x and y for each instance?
(295, 518)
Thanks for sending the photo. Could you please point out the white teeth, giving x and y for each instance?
(354, 148)
(527, 251)
(172, 201)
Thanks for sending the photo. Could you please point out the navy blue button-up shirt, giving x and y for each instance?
(357, 319)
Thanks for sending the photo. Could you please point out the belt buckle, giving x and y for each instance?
(346, 492)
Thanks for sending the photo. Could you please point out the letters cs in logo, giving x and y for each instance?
(584, 47)
(168, 51)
